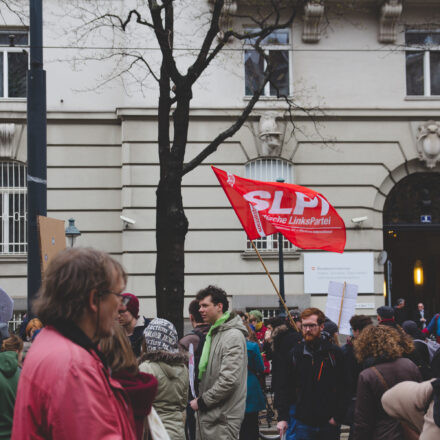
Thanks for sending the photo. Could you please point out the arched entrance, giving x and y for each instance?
(411, 219)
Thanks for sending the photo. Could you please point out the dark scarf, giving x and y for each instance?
(72, 332)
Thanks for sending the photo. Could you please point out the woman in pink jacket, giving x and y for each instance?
(65, 390)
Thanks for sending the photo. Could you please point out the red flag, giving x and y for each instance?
(303, 216)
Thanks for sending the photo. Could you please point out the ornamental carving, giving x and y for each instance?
(313, 14)
(270, 134)
(389, 15)
(8, 141)
(229, 9)
(428, 143)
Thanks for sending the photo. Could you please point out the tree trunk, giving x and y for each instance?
(171, 229)
(171, 222)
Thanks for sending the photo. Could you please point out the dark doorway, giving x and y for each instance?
(411, 221)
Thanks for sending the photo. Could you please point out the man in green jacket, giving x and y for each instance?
(222, 370)
(9, 374)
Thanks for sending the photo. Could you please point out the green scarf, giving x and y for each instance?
(204, 358)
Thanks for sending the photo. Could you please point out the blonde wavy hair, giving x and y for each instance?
(381, 342)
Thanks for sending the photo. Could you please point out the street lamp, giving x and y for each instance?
(72, 231)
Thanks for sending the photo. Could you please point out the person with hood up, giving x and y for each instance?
(417, 405)
(379, 351)
(222, 369)
(9, 375)
(162, 358)
(139, 387)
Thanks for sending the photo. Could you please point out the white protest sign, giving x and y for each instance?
(353, 267)
(338, 297)
(191, 370)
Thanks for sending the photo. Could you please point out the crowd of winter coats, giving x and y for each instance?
(382, 382)
(87, 368)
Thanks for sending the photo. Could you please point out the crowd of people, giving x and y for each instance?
(86, 368)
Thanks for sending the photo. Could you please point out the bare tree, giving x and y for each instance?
(175, 95)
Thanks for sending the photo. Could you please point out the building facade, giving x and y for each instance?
(371, 77)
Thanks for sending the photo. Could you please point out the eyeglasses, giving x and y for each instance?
(309, 326)
(124, 299)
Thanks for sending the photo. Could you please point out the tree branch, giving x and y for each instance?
(212, 147)
(164, 37)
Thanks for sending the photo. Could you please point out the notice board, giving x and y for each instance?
(352, 267)
(52, 239)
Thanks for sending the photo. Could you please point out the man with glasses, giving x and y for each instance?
(128, 318)
(65, 390)
(318, 376)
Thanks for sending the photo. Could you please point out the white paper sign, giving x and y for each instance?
(353, 267)
(191, 370)
(334, 303)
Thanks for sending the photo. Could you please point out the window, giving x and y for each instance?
(276, 47)
(13, 64)
(13, 208)
(422, 63)
(270, 170)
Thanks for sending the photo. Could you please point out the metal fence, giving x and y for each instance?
(13, 208)
(15, 322)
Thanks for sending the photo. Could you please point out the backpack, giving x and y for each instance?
(197, 356)
(433, 346)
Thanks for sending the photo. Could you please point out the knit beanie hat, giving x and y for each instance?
(411, 329)
(133, 304)
(257, 314)
(161, 335)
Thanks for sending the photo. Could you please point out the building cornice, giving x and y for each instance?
(415, 110)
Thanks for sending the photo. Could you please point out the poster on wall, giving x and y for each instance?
(351, 267)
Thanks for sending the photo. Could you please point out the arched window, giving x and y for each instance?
(13, 208)
(270, 170)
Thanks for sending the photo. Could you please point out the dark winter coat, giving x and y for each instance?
(141, 390)
(320, 381)
(137, 337)
(353, 369)
(284, 339)
(370, 420)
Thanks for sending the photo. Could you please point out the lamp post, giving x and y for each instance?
(72, 232)
(36, 148)
(281, 264)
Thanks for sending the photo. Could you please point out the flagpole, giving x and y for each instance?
(292, 322)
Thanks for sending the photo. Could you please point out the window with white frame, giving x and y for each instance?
(422, 62)
(13, 208)
(276, 47)
(13, 63)
(270, 170)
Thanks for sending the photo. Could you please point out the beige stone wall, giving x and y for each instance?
(103, 161)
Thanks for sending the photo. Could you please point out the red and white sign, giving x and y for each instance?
(303, 216)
